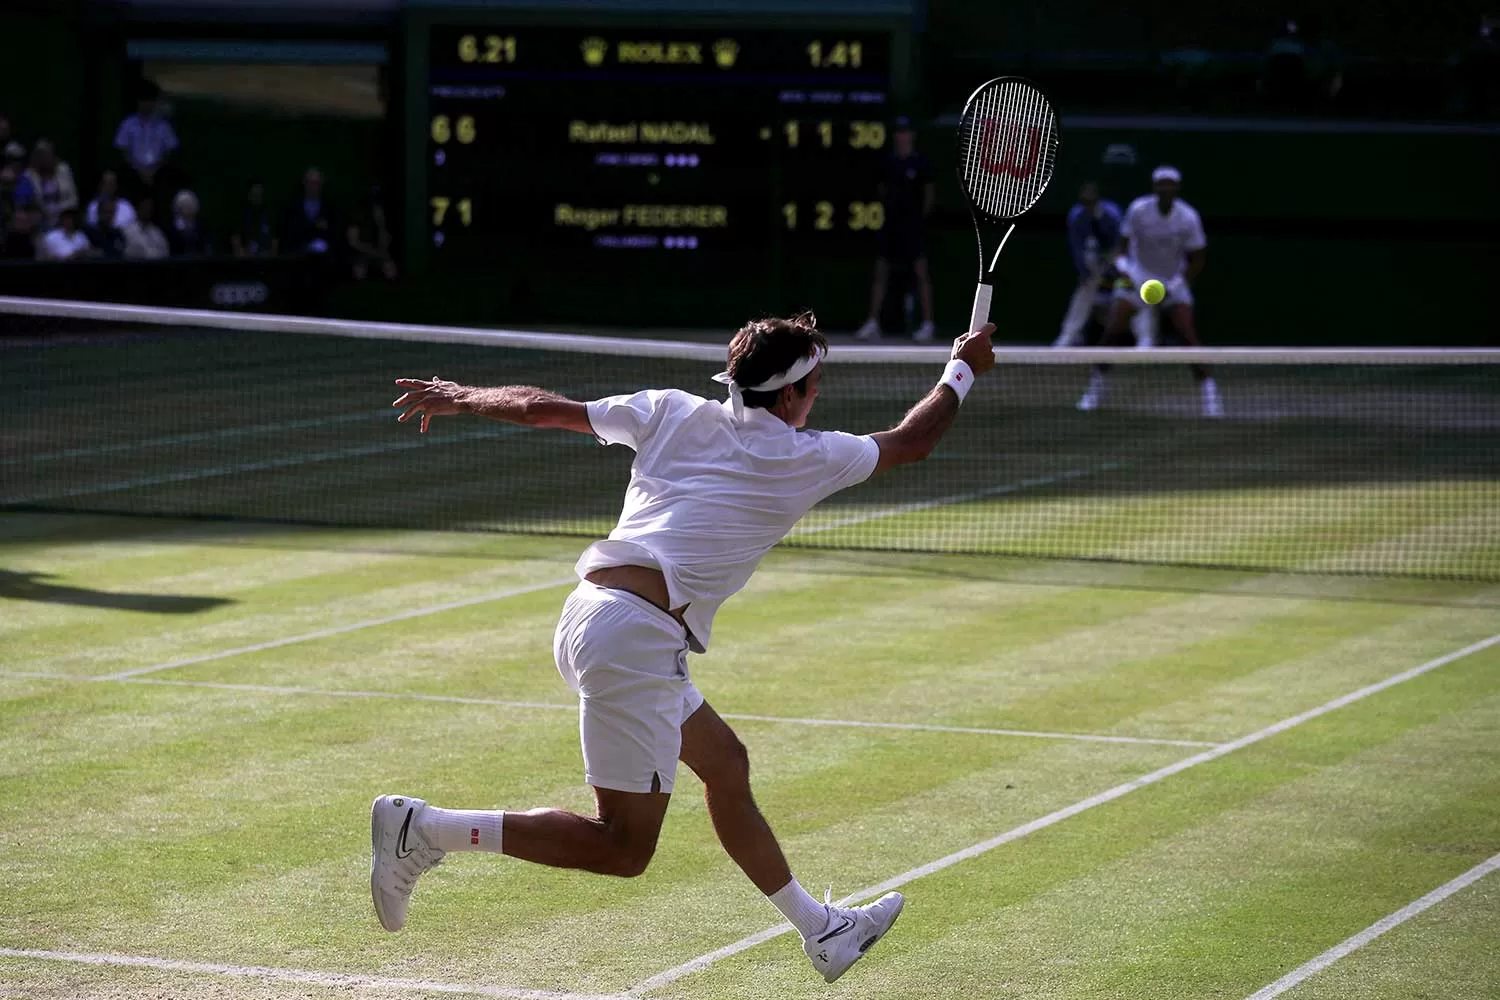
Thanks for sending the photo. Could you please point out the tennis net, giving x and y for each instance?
(1370, 462)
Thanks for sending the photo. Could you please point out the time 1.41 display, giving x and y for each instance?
(661, 140)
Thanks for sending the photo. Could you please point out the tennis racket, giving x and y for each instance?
(1007, 148)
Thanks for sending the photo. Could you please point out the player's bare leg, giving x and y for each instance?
(409, 837)
(833, 937)
(718, 757)
(619, 840)
(1116, 334)
(871, 328)
(926, 331)
(1208, 389)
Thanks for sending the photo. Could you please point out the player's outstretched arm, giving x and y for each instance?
(515, 404)
(914, 438)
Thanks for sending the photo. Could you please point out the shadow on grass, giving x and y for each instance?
(35, 587)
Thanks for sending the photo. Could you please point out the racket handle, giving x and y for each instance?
(981, 313)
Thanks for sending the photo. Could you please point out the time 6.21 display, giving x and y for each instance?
(653, 140)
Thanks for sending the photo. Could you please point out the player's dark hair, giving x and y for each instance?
(764, 348)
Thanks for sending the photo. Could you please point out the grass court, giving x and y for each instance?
(1096, 780)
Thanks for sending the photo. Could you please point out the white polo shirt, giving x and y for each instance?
(1159, 243)
(709, 496)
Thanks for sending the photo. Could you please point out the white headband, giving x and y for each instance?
(796, 373)
(1166, 174)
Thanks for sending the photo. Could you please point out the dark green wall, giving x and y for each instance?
(42, 81)
(223, 150)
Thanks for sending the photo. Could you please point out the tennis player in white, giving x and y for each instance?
(1161, 237)
(713, 487)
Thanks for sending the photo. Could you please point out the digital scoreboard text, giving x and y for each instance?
(652, 140)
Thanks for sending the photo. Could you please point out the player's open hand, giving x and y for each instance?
(976, 350)
(430, 397)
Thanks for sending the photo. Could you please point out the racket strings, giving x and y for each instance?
(1009, 136)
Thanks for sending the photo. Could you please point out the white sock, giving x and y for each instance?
(1210, 388)
(461, 829)
(805, 913)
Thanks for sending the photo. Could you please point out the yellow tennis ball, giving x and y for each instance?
(1152, 292)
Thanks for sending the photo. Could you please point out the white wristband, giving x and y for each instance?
(959, 377)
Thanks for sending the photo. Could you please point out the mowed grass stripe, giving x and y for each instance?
(1376, 930)
(339, 630)
(342, 982)
(252, 827)
(1445, 952)
(507, 652)
(1113, 903)
(572, 707)
(1198, 887)
(109, 643)
(1168, 671)
(1073, 654)
(1330, 666)
(984, 847)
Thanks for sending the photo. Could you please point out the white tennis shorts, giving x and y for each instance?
(627, 660)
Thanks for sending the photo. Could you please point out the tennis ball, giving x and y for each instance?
(1153, 292)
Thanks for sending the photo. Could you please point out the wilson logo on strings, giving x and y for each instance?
(1011, 148)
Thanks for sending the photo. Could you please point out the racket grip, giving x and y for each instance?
(981, 313)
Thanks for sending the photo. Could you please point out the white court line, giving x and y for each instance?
(573, 707)
(704, 961)
(293, 975)
(953, 498)
(339, 630)
(1375, 930)
(924, 727)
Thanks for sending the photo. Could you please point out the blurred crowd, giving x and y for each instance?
(142, 207)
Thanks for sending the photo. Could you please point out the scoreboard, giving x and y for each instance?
(642, 140)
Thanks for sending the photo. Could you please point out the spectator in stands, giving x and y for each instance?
(105, 220)
(1093, 232)
(908, 197)
(370, 240)
(185, 235)
(12, 162)
(50, 183)
(146, 140)
(19, 212)
(144, 239)
(65, 241)
(5, 136)
(256, 235)
(310, 224)
(116, 217)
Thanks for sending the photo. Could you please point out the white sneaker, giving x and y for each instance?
(1093, 395)
(924, 333)
(1212, 407)
(870, 331)
(850, 932)
(398, 856)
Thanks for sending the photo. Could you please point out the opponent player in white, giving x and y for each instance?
(1161, 237)
(713, 487)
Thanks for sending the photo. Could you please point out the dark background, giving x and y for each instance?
(1350, 201)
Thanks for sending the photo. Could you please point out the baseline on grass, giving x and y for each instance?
(713, 487)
